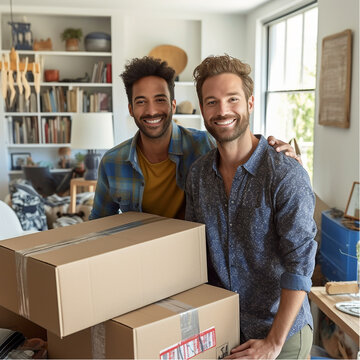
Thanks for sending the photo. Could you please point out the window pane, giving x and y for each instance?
(293, 52)
(291, 115)
(276, 56)
(310, 40)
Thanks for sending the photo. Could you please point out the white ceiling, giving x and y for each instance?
(204, 6)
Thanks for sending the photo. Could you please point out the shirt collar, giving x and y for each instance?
(253, 164)
(132, 153)
(175, 146)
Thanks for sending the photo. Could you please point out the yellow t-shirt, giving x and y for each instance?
(161, 195)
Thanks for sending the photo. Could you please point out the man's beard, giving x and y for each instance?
(164, 124)
(223, 135)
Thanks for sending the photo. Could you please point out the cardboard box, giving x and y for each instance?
(162, 330)
(12, 321)
(107, 267)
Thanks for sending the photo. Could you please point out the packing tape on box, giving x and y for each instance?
(22, 255)
(189, 317)
(98, 341)
(189, 325)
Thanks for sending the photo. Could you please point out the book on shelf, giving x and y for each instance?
(24, 130)
(101, 72)
(94, 72)
(108, 73)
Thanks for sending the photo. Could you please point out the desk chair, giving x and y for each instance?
(45, 182)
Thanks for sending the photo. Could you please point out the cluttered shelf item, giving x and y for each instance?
(10, 64)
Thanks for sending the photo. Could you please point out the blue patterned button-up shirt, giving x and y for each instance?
(261, 238)
(121, 184)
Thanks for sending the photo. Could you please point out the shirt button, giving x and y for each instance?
(232, 201)
(225, 205)
(230, 224)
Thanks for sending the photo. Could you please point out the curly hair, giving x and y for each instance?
(216, 65)
(138, 68)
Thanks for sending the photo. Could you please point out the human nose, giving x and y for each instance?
(222, 108)
(150, 108)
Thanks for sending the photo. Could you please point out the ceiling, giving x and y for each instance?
(204, 6)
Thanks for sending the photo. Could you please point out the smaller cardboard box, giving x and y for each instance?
(71, 278)
(201, 323)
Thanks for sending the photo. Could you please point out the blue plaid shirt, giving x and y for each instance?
(121, 184)
(261, 238)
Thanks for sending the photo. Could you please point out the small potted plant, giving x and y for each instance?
(72, 37)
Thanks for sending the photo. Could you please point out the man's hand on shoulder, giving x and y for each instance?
(281, 146)
(255, 349)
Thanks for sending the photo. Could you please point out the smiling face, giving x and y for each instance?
(151, 106)
(225, 109)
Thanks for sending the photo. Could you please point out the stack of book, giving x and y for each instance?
(59, 99)
(101, 73)
(24, 130)
(55, 130)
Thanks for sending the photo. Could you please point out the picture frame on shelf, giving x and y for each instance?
(352, 210)
(18, 160)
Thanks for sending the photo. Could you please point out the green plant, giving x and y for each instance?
(71, 33)
(79, 157)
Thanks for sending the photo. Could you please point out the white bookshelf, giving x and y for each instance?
(71, 65)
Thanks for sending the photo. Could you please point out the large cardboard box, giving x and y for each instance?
(202, 322)
(71, 278)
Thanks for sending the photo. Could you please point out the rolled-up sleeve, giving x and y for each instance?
(295, 225)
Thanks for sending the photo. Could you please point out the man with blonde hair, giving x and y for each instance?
(257, 205)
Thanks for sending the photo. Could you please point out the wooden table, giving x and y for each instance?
(348, 323)
(74, 183)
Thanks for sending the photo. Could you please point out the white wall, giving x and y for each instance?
(336, 150)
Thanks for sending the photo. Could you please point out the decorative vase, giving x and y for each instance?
(72, 44)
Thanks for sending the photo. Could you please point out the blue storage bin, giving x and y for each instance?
(335, 237)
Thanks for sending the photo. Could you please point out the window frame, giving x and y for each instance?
(266, 26)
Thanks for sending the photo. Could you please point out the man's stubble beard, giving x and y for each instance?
(165, 125)
(241, 125)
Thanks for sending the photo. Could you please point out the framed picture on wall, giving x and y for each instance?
(335, 80)
(18, 160)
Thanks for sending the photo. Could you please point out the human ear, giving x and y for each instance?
(130, 110)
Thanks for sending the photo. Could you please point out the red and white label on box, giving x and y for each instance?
(190, 347)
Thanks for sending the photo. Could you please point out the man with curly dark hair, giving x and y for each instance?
(148, 172)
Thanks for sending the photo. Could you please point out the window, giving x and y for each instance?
(291, 78)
